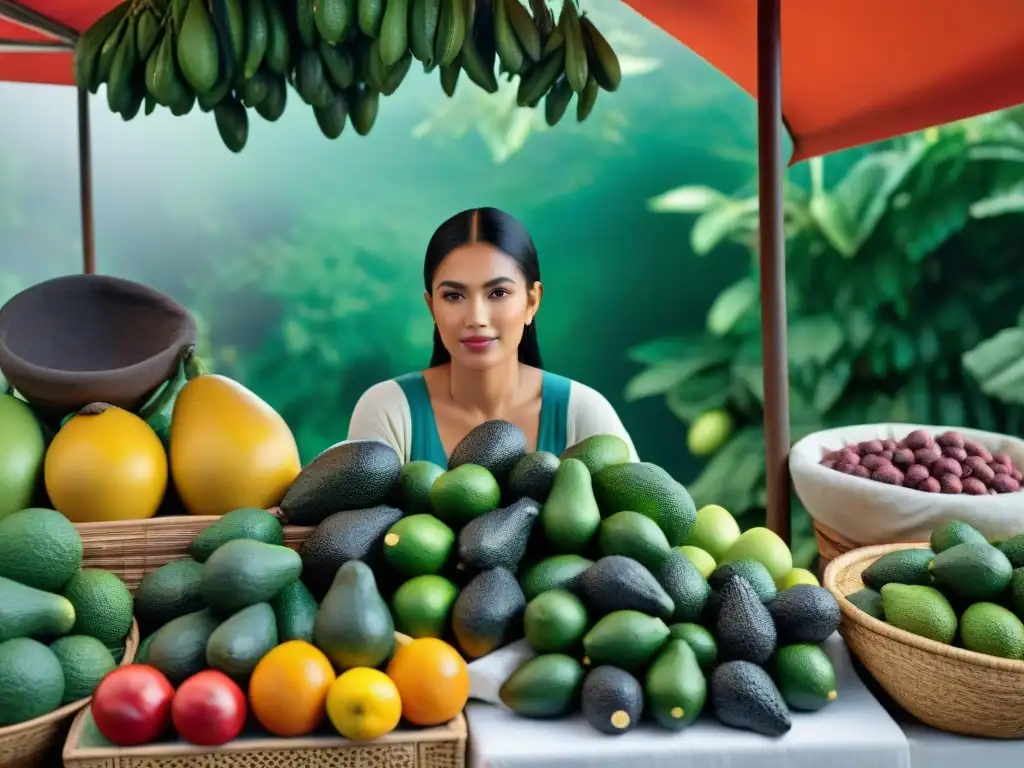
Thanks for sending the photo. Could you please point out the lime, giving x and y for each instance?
(715, 531)
(709, 432)
(764, 546)
(421, 606)
(705, 563)
(418, 544)
(797, 576)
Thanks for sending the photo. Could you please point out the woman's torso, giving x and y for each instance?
(425, 439)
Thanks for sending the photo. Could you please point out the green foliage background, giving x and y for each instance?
(302, 258)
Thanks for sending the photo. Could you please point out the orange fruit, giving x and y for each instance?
(288, 689)
(364, 704)
(432, 679)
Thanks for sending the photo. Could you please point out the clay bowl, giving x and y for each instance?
(83, 339)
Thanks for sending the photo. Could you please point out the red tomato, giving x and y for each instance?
(209, 709)
(132, 705)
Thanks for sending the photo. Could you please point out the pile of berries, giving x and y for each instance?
(947, 463)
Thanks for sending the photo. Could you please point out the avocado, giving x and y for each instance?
(650, 490)
(352, 475)
(238, 644)
(675, 686)
(178, 648)
(805, 613)
(85, 661)
(422, 606)
(556, 572)
(612, 700)
(244, 572)
(805, 677)
(488, 612)
(354, 627)
(245, 523)
(744, 696)
(617, 583)
(627, 639)
(295, 611)
(418, 544)
(142, 652)
(1017, 592)
(685, 585)
(414, 482)
(978, 573)
(498, 539)
(954, 532)
(172, 590)
(464, 493)
(744, 629)
(495, 445)
(31, 682)
(39, 548)
(598, 452)
(356, 534)
(920, 610)
(26, 611)
(633, 535)
(532, 476)
(904, 566)
(103, 605)
(991, 629)
(753, 572)
(23, 440)
(869, 601)
(555, 622)
(700, 639)
(570, 516)
(544, 686)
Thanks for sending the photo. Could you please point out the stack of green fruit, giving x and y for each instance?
(340, 56)
(641, 632)
(964, 590)
(62, 627)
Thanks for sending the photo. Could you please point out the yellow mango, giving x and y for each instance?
(105, 464)
(229, 449)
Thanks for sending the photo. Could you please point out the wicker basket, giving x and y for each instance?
(133, 548)
(830, 545)
(945, 687)
(26, 745)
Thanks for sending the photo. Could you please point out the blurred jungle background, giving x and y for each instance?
(301, 257)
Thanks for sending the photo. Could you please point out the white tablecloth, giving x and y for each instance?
(934, 749)
(853, 732)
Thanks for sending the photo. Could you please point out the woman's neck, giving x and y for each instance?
(488, 393)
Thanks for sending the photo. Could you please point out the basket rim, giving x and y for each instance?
(878, 627)
(131, 644)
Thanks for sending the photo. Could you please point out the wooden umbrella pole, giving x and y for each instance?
(773, 265)
(85, 183)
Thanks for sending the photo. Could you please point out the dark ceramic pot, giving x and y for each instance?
(84, 339)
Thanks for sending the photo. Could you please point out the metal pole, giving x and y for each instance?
(773, 265)
(85, 183)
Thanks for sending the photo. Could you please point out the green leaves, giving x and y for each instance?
(997, 365)
(731, 304)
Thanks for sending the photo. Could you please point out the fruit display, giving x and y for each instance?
(203, 444)
(945, 463)
(232, 631)
(339, 56)
(962, 590)
(62, 627)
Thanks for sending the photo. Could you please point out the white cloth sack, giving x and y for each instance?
(867, 512)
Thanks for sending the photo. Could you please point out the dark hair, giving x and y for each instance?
(506, 233)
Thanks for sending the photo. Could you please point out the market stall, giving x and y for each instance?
(391, 577)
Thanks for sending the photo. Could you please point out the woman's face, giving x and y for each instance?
(481, 303)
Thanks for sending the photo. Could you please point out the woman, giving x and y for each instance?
(483, 288)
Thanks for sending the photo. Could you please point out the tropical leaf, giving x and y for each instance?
(661, 378)
(997, 365)
(727, 219)
(707, 390)
(673, 348)
(814, 339)
(734, 474)
(689, 199)
(731, 304)
(1001, 203)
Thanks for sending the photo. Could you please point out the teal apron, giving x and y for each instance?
(426, 443)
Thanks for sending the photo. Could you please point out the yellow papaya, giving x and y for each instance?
(105, 464)
(229, 448)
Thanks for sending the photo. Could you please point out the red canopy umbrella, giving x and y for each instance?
(856, 71)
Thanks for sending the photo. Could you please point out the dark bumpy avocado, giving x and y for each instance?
(532, 476)
(495, 445)
(744, 629)
(805, 613)
(744, 696)
(356, 534)
(617, 583)
(488, 612)
(346, 476)
(498, 538)
(612, 700)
